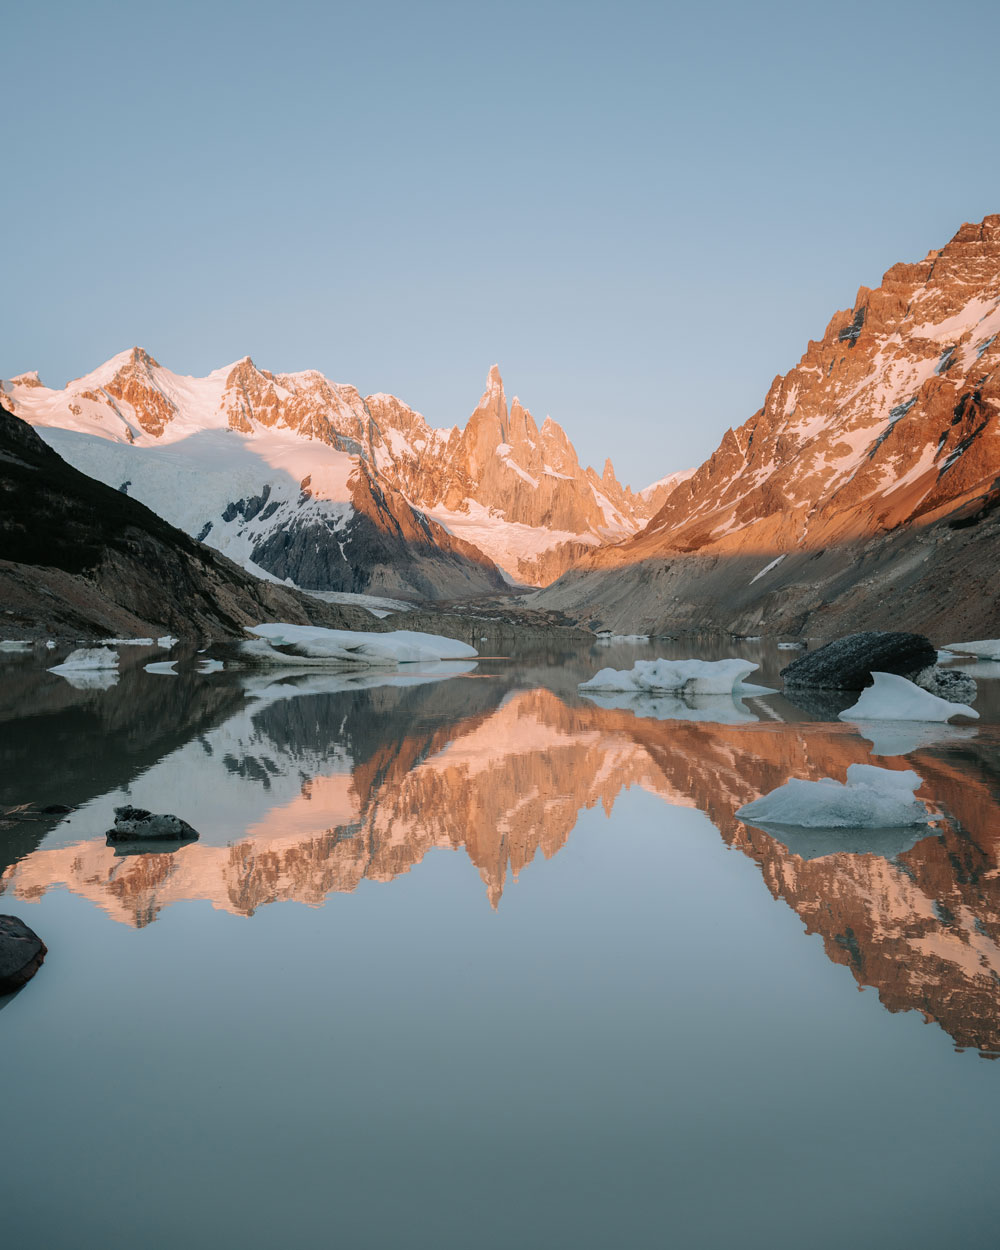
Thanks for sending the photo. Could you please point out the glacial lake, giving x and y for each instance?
(466, 959)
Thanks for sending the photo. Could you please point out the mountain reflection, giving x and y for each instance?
(298, 797)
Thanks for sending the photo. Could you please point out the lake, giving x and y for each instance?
(466, 959)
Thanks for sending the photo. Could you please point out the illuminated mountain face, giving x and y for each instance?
(302, 797)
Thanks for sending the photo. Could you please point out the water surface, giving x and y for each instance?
(466, 959)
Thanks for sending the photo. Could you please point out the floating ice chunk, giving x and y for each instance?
(311, 644)
(210, 666)
(16, 644)
(900, 737)
(167, 641)
(87, 659)
(127, 642)
(163, 667)
(715, 709)
(895, 698)
(50, 644)
(268, 687)
(791, 646)
(689, 676)
(985, 648)
(871, 798)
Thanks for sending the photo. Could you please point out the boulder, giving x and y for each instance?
(21, 953)
(848, 663)
(947, 683)
(135, 824)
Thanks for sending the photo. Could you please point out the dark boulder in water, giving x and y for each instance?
(21, 953)
(135, 824)
(848, 663)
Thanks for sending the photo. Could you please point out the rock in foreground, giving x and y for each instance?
(135, 824)
(848, 663)
(21, 953)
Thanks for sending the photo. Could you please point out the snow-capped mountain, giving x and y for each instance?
(888, 426)
(303, 479)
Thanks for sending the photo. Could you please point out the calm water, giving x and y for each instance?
(467, 960)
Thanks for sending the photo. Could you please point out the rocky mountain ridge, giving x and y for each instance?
(871, 464)
(79, 558)
(304, 479)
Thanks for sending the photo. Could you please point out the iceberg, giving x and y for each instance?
(714, 709)
(985, 648)
(676, 676)
(895, 698)
(165, 667)
(89, 668)
(87, 658)
(311, 645)
(871, 798)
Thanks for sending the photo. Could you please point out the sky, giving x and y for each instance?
(642, 212)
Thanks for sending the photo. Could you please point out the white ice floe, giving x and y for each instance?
(89, 668)
(895, 698)
(87, 658)
(985, 648)
(871, 798)
(900, 737)
(715, 709)
(126, 642)
(164, 667)
(687, 676)
(210, 666)
(269, 687)
(310, 645)
(791, 646)
(167, 641)
(16, 644)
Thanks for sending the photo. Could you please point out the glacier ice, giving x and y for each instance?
(714, 709)
(675, 676)
(985, 648)
(164, 667)
(871, 798)
(312, 645)
(892, 697)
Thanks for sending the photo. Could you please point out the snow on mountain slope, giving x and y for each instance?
(277, 471)
(875, 460)
(290, 473)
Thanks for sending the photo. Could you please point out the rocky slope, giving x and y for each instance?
(870, 474)
(81, 559)
(305, 480)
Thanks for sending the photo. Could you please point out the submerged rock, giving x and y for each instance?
(135, 824)
(848, 663)
(21, 953)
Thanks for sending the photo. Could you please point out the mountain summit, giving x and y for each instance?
(871, 468)
(306, 480)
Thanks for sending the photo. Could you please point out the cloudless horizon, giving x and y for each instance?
(642, 212)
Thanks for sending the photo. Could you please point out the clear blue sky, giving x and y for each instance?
(641, 211)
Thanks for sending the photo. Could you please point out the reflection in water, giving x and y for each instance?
(300, 795)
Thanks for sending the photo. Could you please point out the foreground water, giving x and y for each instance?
(468, 960)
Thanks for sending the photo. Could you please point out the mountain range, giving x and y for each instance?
(865, 486)
(301, 479)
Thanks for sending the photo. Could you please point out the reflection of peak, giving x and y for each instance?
(510, 780)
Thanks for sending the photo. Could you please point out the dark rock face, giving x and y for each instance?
(848, 663)
(946, 683)
(21, 953)
(135, 824)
